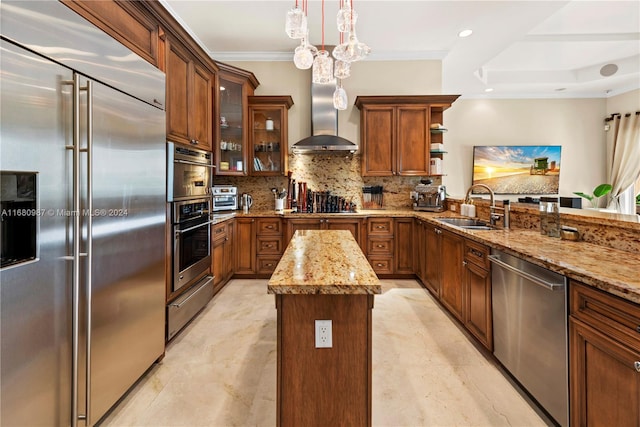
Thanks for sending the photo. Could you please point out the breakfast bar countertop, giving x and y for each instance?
(326, 262)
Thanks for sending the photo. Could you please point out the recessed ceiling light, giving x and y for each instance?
(608, 70)
(489, 89)
(465, 33)
(560, 89)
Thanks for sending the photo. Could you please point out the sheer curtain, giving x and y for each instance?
(625, 166)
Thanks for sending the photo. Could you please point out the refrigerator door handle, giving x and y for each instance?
(76, 233)
(89, 247)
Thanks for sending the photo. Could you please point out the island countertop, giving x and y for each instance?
(326, 262)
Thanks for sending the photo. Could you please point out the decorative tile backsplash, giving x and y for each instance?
(335, 172)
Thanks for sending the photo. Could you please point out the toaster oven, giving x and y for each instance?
(225, 198)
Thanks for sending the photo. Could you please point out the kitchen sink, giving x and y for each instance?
(469, 223)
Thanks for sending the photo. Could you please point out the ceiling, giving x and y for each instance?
(520, 49)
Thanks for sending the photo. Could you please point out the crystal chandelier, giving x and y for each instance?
(324, 70)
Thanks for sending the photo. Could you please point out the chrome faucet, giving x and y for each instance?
(467, 198)
(493, 216)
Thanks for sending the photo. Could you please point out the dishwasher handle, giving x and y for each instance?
(550, 286)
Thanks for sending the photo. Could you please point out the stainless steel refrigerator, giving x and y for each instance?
(83, 193)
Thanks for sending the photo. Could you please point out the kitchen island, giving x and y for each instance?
(323, 275)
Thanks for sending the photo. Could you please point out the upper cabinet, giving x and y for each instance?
(235, 86)
(395, 133)
(189, 96)
(268, 130)
(125, 21)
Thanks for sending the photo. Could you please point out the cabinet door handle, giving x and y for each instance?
(194, 142)
(381, 246)
(464, 263)
(268, 246)
(637, 366)
(270, 227)
(381, 265)
(638, 328)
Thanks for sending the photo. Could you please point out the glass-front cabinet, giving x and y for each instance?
(231, 158)
(268, 139)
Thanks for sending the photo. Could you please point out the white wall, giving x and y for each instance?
(575, 124)
(367, 78)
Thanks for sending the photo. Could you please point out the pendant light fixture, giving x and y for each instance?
(322, 63)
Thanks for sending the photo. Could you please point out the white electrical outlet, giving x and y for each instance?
(324, 334)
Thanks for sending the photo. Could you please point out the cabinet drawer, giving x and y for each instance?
(218, 232)
(382, 265)
(614, 316)
(269, 245)
(269, 226)
(477, 254)
(380, 226)
(380, 246)
(267, 264)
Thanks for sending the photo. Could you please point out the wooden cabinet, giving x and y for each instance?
(189, 97)
(221, 253)
(269, 244)
(125, 21)
(420, 249)
(380, 244)
(234, 88)
(477, 292)
(259, 245)
(351, 224)
(451, 296)
(604, 352)
(269, 140)
(433, 259)
(245, 246)
(394, 132)
(403, 237)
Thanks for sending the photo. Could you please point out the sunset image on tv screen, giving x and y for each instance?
(517, 169)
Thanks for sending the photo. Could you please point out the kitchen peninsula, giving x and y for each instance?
(324, 379)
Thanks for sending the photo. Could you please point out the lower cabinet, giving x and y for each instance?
(403, 236)
(604, 352)
(451, 273)
(245, 246)
(222, 253)
(478, 317)
(269, 244)
(457, 272)
(432, 259)
(420, 249)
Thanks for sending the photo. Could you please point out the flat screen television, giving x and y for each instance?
(517, 169)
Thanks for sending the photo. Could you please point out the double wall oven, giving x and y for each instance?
(189, 182)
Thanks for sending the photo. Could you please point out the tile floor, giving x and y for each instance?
(221, 369)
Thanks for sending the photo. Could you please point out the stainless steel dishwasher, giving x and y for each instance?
(530, 330)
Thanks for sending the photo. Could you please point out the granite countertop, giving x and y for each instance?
(611, 270)
(323, 262)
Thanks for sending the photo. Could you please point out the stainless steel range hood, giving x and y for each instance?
(324, 124)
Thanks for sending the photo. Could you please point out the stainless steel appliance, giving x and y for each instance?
(530, 329)
(189, 172)
(82, 155)
(427, 197)
(225, 198)
(191, 240)
(191, 226)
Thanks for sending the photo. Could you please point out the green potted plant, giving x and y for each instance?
(599, 191)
